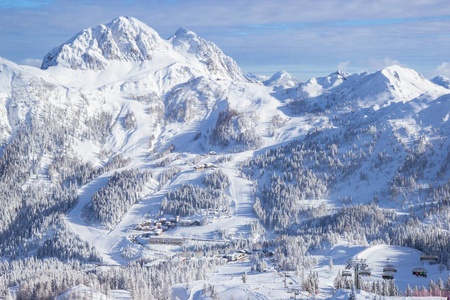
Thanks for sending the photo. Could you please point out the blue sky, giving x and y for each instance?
(305, 38)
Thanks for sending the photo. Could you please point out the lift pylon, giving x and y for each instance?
(360, 268)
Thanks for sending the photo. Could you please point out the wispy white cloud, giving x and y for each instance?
(343, 66)
(374, 64)
(443, 69)
(32, 62)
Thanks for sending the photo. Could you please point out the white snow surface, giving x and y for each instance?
(128, 39)
(83, 292)
(390, 85)
(282, 79)
(227, 280)
(442, 81)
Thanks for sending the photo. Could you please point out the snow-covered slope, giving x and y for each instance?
(442, 81)
(26, 92)
(282, 79)
(181, 79)
(127, 39)
(390, 85)
(317, 86)
(189, 44)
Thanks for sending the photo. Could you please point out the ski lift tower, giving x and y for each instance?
(296, 293)
(360, 269)
(286, 275)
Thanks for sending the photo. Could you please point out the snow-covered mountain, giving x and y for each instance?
(317, 86)
(189, 44)
(282, 79)
(124, 39)
(390, 85)
(121, 129)
(127, 39)
(442, 81)
(26, 92)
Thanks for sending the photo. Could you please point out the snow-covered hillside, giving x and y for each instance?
(390, 85)
(127, 39)
(282, 79)
(442, 81)
(157, 167)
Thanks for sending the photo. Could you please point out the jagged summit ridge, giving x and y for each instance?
(317, 86)
(130, 40)
(282, 78)
(391, 84)
(188, 43)
(442, 81)
(394, 83)
(125, 39)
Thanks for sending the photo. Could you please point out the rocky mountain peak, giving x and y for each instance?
(130, 40)
(188, 43)
(123, 39)
(442, 81)
(284, 79)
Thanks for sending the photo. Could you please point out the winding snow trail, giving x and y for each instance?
(108, 243)
(241, 192)
(84, 231)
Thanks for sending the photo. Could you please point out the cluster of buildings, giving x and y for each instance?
(202, 167)
(188, 223)
(158, 226)
(238, 255)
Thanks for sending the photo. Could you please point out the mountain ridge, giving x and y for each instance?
(381, 88)
(282, 79)
(442, 81)
(130, 40)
